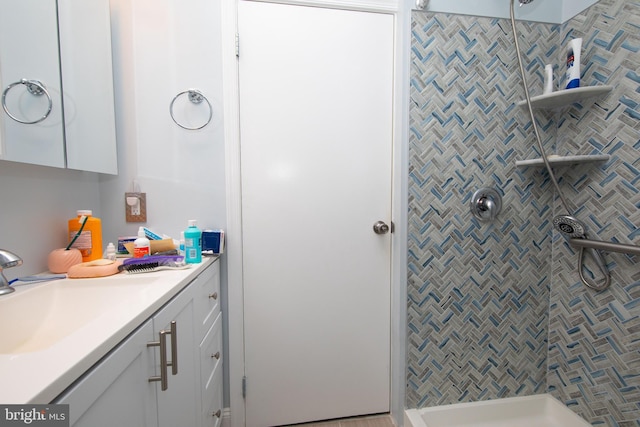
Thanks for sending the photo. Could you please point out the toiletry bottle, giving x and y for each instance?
(141, 246)
(192, 243)
(574, 51)
(110, 254)
(89, 242)
(181, 244)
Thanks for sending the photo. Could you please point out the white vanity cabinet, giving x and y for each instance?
(118, 390)
(209, 331)
(65, 47)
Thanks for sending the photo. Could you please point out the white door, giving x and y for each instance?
(316, 144)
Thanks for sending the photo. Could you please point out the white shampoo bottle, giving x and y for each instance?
(573, 63)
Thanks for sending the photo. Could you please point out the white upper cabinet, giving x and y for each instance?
(87, 83)
(29, 51)
(66, 118)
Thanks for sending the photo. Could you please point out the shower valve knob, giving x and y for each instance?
(486, 204)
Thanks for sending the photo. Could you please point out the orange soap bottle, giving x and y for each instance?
(89, 242)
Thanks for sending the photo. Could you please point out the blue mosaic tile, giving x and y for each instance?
(491, 312)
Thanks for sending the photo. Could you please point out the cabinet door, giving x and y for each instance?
(87, 81)
(179, 404)
(29, 50)
(117, 392)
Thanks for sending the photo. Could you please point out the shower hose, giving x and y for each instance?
(594, 253)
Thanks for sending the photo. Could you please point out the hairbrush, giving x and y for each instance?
(153, 263)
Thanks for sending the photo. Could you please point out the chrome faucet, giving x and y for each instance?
(7, 260)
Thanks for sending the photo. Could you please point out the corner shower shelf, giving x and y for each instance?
(566, 97)
(565, 160)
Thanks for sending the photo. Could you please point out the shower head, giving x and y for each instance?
(525, 2)
(570, 227)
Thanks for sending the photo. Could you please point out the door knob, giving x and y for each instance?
(380, 227)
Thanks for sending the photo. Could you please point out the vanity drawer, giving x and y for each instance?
(210, 356)
(212, 411)
(207, 298)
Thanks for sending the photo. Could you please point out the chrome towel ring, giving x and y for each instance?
(196, 97)
(35, 88)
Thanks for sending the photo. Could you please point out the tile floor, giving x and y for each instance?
(368, 421)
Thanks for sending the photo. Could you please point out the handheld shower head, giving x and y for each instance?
(570, 227)
(525, 2)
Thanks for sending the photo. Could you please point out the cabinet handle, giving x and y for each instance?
(162, 343)
(214, 295)
(216, 355)
(217, 413)
(174, 348)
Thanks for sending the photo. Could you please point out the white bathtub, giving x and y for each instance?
(541, 410)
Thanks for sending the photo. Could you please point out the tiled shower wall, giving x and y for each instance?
(594, 338)
(497, 310)
(478, 292)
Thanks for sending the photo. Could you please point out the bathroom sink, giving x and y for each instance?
(53, 332)
(36, 318)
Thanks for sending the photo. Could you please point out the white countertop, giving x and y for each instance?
(39, 375)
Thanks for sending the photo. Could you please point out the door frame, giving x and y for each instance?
(401, 11)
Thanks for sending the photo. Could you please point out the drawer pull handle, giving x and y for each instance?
(214, 295)
(217, 413)
(174, 348)
(164, 362)
(162, 343)
(216, 355)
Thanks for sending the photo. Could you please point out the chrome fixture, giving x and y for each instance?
(606, 246)
(381, 227)
(7, 260)
(195, 97)
(576, 234)
(486, 204)
(525, 2)
(572, 229)
(35, 88)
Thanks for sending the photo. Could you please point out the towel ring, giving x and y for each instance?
(196, 97)
(35, 88)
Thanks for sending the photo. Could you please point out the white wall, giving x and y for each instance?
(161, 48)
(550, 11)
(35, 204)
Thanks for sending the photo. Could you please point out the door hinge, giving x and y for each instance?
(244, 387)
(237, 45)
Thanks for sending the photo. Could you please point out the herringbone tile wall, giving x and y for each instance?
(594, 339)
(485, 298)
(478, 292)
